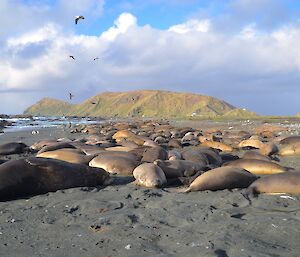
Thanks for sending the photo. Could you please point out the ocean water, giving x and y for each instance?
(21, 124)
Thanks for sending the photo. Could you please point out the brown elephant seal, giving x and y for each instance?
(290, 140)
(33, 176)
(283, 183)
(218, 145)
(179, 168)
(153, 153)
(253, 143)
(56, 146)
(268, 149)
(68, 155)
(290, 149)
(255, 155)
(149, 175)
(115, 164)
(222, 178)
(13, 148)
(259, 167)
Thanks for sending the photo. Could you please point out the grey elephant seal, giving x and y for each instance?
(222, 178)
(32, 176)
(149, 175)
(12, 148)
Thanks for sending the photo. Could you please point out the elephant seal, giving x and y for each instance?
(32, 176)
(195, 156)
(218, 145)
(40, 144)
(290, 149)
(68, 155)
(259, 167)
(253, 143)
(179, 168)
(222, 178)
(290, 140)
(153, 153)
(13, 148)
(268, 149)
(56, 146)
(149, 175)
(283, 183)
(174, 155)
(115, 164)
(255, 155)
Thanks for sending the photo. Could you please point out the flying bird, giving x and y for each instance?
(71, 56)
(77, 18)
(71, 96)
(96, 58)
(93, 103)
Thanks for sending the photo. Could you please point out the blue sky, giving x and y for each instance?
(245, 52)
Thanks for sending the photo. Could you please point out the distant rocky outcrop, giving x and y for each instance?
(141, 103)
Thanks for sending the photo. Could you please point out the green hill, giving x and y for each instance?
(49, 107)
(141, 103)
(240, 113)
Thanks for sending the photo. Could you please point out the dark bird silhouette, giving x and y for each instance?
(77, 18)
(71, 56)
(71, 96)
(93, 103)
(96, 58)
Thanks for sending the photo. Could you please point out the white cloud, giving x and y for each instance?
(122, 24)
(191, 26)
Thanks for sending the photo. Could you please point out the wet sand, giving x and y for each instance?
(127, 220)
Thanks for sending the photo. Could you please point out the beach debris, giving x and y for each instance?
(78, 17)
(128, 247)
(287, 197)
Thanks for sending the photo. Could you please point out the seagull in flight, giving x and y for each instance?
(71, 56)
(77, 18)
(71, 96)
(96, 58)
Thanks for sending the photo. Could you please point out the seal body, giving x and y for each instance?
(222, 178)
(149, 175)
(34, 175)
(12, 148)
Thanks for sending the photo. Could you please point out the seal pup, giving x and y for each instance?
(222, 178)
(32, 176)
(149, 175)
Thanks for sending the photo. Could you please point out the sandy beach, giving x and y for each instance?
(127, 220)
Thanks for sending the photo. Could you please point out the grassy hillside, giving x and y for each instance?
(49, 107)
(142, 103)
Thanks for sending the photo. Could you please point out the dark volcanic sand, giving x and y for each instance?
(126, 220)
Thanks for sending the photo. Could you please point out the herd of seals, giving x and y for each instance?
(154, 154)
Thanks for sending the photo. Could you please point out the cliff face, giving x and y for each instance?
(142, 103)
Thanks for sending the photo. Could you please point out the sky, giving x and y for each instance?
(245, 52)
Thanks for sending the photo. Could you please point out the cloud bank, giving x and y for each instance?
(249, 68)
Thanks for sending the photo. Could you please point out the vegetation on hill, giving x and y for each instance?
(141, 103)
